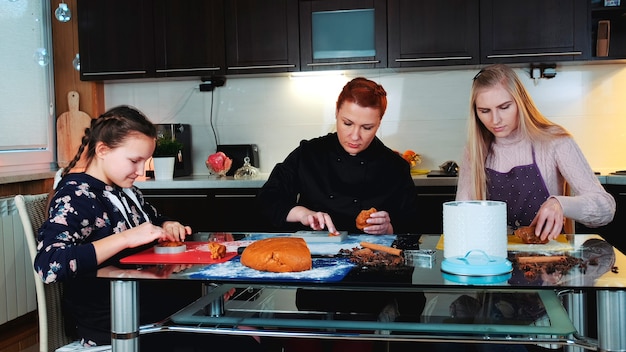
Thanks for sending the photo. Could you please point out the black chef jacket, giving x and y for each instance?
(322, 176)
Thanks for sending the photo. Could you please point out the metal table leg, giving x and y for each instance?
(611, 320)
(124, 316)
(576, 307)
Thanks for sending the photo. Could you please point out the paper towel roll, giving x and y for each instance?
(469, 225)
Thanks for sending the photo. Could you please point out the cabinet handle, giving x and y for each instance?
(235, 196)
(568, 53)
(259, 67)
(344, 63)
(188, 69)
(113, 73)
(175, 196)
(434, 58)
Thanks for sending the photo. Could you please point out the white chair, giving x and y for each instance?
(52, 337)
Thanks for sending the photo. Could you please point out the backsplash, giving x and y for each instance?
(427, 110)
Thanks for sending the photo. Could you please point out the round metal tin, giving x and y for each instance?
(170, 250)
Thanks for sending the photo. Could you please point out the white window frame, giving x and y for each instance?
(41, 158)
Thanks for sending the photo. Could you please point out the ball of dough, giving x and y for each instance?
(361, 219)
(278, 254)
(218, 250)
(527, 235)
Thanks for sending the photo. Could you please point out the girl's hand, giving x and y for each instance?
(142, 234)
(137, 236)
(549, 220)
(175, 231)
(379, 223)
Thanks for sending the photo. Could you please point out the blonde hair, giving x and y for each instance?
(533, 125)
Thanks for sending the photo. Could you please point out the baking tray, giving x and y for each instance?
(324, 270)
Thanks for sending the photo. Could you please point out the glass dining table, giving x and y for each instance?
(542, 300)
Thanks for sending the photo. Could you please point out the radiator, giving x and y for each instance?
(17, 284)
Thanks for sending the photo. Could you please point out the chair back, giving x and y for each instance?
(33, 212)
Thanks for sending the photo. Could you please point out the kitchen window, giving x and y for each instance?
(27, 89)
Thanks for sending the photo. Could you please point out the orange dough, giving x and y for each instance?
(218, 251)
(278, 254)
(361, 219)
(527, 235)
(170, 244)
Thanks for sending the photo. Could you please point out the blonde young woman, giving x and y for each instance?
(516, 155)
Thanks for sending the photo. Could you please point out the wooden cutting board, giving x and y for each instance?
(70, 130)
(515, 244)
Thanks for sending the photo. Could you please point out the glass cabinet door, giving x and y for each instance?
(343, 34)
(347, 34)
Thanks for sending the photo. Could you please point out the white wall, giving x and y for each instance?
(427, 110)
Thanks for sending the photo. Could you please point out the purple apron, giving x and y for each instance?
(523, 190)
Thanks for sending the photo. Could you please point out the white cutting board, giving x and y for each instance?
(320, 236)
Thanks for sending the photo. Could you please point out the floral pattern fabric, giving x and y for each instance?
(84, 210)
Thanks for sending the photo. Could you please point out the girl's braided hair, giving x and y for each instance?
(112, 128)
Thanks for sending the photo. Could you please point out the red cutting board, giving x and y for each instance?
(196, 253)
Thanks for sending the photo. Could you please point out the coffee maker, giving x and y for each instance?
(182, 133)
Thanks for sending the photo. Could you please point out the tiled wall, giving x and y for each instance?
(427, 110)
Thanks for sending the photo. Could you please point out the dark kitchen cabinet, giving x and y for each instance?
(188, 206)
(121, 39)
(432, 33)
(608, 31)
(614, 231)
(236, 209)
(430, 201)
(343, 34)
(262, 36)
(534, 31)
(115, 39)
(189, 37)
(211, 209)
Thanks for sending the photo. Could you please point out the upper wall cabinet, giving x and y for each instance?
(608, 31)
(112, 38)
(189, 37)
(432, 33)
(534, 30)
(343, 34)
(262, 36)
(121, 39)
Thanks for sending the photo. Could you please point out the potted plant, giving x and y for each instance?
(167, 146)
(164, 157)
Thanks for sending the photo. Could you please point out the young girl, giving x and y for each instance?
(97, 217)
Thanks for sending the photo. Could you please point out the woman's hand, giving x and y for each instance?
(549, 220)
(379, 223)
(175, 231)
(315, 220)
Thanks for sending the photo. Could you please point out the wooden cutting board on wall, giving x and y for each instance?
(70, 130)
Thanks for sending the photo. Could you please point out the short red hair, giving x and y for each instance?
(364, 93)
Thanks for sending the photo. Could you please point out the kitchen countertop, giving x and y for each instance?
(206, 181)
